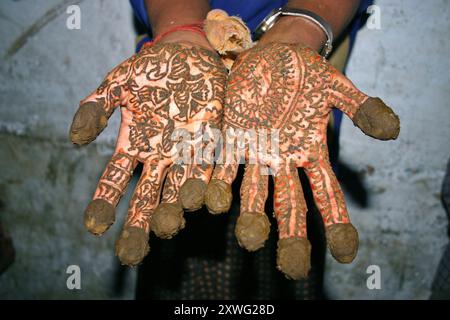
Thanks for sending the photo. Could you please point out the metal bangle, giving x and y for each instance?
(275, 14)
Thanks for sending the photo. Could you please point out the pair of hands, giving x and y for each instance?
(168, 87)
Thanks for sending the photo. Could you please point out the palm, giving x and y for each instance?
(164, 89)
(292, 90)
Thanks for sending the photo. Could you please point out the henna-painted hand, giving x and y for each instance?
(163, 88)
(292, 89)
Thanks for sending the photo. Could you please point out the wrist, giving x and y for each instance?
(295, 30)
(165, 15)
(185, 36)
(159, 28)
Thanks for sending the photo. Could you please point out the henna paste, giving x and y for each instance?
(291, 89)
(377, 120)
(132, 246)
(293, 257)
(88, 122)
(192, 194)
(163, 88)
(175, 178)
(218, 196)
(99, 216)
(167, 220)
(252, 226)
(343, 241)
(252, 230)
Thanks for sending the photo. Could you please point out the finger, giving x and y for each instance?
(168, 220)
(253, 226)
(377, 120)
(132, 245)
(176, 176)
(100, 213)
(88, 122)
(342, 237)
(192, 192)
(218, 195)
(92, 115)
(371, 115)
(294, 249)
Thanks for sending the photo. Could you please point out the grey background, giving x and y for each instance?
(45, 183)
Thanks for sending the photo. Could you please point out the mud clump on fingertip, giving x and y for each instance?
(293, 257)
(192, 194)
(343, 241)
(167, 220)
(99, 216)
(88, 122)
(377, 120)
(252, 230)
(218, 196)
(132, 246)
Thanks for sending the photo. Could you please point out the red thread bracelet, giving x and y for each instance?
(194, 27)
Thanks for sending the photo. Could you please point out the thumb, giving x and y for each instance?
(92, 115)
(371, 115)
(89, 120)
(377, 120)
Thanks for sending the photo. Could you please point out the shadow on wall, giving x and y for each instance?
(7, 252)
(440, 289)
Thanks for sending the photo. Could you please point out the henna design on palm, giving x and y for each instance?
(163, 88)
(292, 89)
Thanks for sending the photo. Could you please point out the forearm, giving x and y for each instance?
(299, 30)
(166, 14)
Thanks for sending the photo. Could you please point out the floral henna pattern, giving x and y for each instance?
(254, 190)
(115, 179)
(289, 204)
(292, 89)
(164, 89)
(289, 88)
(174, 179)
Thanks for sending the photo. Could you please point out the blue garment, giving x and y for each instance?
(251, 11)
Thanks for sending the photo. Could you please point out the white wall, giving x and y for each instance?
(404, 229)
